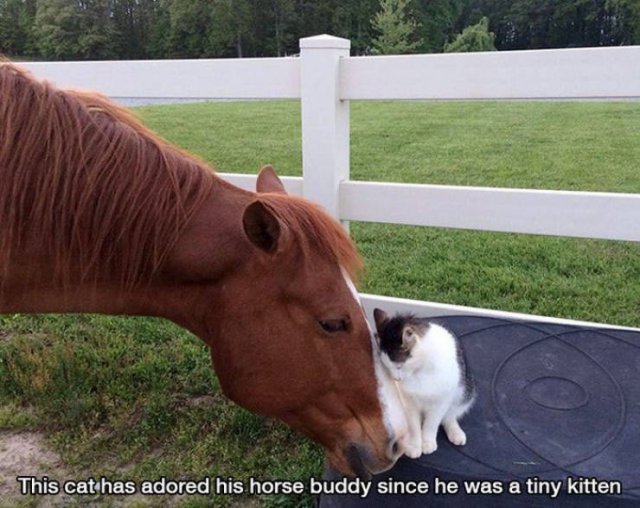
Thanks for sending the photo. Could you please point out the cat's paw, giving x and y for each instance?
(429, 446)
(413, 451)
(457, 437)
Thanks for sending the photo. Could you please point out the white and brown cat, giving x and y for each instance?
(430, 368)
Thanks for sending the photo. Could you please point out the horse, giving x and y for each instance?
(100, 215)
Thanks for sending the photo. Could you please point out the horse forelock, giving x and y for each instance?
(315, 231)
(82, 180)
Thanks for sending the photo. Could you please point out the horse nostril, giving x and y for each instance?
(394, 449)
(355, 461)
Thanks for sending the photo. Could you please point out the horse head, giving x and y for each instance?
(289, 338)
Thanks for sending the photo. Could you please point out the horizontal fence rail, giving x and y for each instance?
(598, 215)
(585, 73)
(245, 78)
(608, 216)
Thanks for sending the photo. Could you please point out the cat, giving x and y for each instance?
(432, 374)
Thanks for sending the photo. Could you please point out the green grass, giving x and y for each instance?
(136, 397)
(541, 145)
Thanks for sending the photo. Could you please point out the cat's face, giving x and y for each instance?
(397, 339)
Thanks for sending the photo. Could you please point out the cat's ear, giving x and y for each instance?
(381, 318)
(409, 336)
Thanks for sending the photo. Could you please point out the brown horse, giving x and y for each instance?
(97, 214)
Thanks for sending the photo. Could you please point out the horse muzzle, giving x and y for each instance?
(363, 464)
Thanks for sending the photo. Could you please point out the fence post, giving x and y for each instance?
(325, 120)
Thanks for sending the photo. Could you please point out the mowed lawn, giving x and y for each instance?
(136, 399)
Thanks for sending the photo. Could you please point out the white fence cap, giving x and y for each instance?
(324, 41)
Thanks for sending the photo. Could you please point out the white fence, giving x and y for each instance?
(325, 78)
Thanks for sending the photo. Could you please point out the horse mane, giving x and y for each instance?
(85, 183)
(315, 230)
(82, 180)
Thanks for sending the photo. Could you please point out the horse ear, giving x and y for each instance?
(268, 181)
(262, 227)
(381, 318)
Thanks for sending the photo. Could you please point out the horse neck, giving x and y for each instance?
(210, 246)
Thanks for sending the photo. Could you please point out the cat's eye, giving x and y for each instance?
(334, 325)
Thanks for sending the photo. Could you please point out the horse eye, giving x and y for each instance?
(334, 325)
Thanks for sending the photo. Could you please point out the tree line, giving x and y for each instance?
(131, 29)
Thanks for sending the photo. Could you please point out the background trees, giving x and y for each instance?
(396, 30)
(99, 29)
(473, 38)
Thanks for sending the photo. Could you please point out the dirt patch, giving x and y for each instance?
(26, 454)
